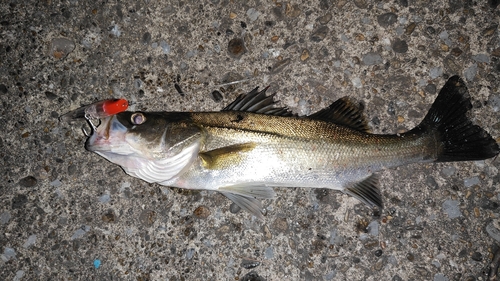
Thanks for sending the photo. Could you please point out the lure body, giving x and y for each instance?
(98, 110)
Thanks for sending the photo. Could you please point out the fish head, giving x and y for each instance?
(140, 141)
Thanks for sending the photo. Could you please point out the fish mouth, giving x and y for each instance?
(108, 134)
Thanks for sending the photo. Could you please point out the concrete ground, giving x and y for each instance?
(68, 214)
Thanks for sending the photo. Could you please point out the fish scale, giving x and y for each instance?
(323, 162)
(252, 146)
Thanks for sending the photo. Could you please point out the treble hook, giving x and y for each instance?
(85, 131)
(93, 127)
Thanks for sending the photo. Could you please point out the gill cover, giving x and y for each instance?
(154, 147)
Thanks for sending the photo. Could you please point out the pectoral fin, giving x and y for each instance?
(246, 197)
(366, 191)
(221, 157)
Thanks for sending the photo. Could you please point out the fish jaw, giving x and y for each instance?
(109, 140)
(107, 137)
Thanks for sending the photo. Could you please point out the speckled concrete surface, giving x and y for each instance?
(67, 214)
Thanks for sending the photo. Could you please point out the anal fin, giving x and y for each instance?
(366, 191)
(246, 197)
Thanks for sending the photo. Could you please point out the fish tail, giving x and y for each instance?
(456, 137)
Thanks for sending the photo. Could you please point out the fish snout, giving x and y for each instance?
(89, 143)
(100, 135)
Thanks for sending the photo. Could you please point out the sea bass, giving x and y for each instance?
(252, 145)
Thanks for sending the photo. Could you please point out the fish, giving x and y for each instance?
(253, 145)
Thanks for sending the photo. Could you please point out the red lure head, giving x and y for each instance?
(112, 107)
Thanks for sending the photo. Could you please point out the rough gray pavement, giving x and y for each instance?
(68, 214)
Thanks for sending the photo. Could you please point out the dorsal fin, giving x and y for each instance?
(343, 112)
(257, 102)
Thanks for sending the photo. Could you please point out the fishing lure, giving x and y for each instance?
(100, 109)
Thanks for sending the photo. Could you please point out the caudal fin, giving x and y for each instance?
(458, 139)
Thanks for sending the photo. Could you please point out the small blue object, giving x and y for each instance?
(97, 263)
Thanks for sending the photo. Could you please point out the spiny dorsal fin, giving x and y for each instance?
(257, 102)
(343, 112)
(366, 191)
(227, 155)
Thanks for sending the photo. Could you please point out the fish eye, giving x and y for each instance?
(137, 118)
